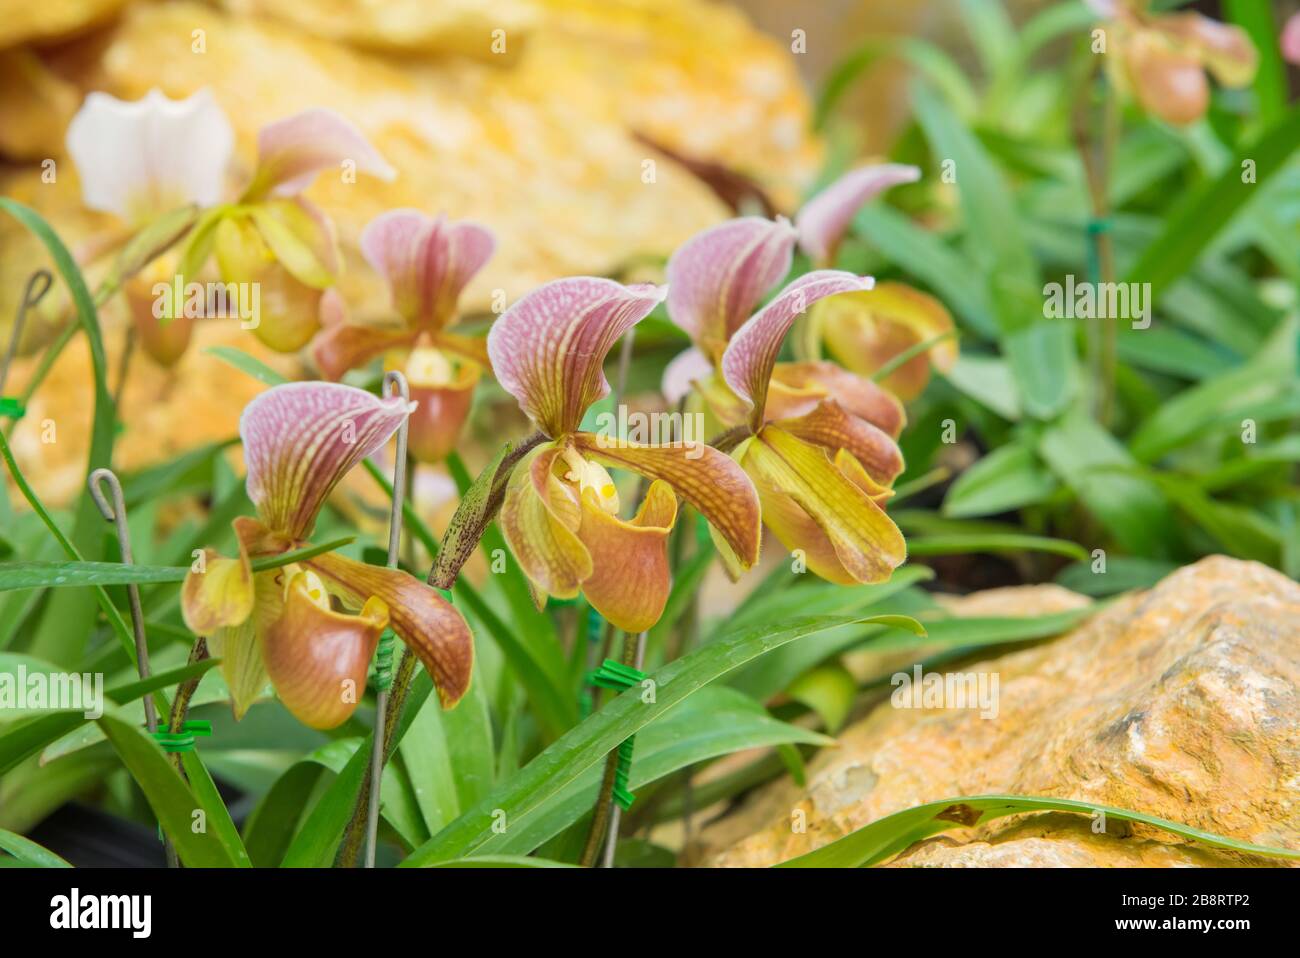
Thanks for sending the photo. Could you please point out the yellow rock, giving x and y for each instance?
(52, 19)
(1182, 702)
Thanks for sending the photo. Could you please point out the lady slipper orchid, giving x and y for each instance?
(1162, 59)
(820, 447)
(287, 624)
(275, 238)
(140, 160)
(426, 263)
(863, 331)
(561, 508)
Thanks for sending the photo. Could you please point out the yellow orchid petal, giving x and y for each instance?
(828, 425)
(220, 595)
(1224, 48)
(285, 313)
(812, 506)
(428, 624)
(540, 519)
(629, 582)
(239, 646)
(317, 658)
(709, 480)
(848, 464)
(863, 331)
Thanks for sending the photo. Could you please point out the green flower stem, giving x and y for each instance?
(464, 531)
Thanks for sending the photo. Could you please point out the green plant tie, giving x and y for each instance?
(1095, 228)
(183, 741)
(384, 660)
(619, 677)
(11, 407)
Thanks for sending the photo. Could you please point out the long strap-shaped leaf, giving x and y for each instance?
(894, 833)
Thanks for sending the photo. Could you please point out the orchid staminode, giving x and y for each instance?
(285, 624)
(561, 510)
(820, 447)
(426, 263)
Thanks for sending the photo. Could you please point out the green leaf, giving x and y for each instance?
(1084, 456)
(1203, 213)
(989, 382)
(502, 861)
(271, 827)
(1270, 76)
(715, 721)
(1008, 478)
(1123, 574)
(927, 59)
(957, 544)
(529, 792)
(60, 637)
(895, 833)
(170, 798)
(829, 690)
(247, 364)
(27, 852)
(218, 816)
(1043, 359)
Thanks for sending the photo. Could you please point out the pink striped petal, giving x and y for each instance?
(824, 218)
(747, 363)
(681, 374)
(716, 278)
(292, 151)
(299, 441)
(426, 261)
(547, 350)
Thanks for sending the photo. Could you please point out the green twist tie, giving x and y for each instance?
(384, 661)
(183, 741)
(12, 407)
(595, 625)
(1096, 227)
(620, 677)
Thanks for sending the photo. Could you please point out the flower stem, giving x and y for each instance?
(605, 818)
(469, 523)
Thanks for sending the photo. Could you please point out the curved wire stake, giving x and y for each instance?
(115, 512)
(38, 284)
(394, 381)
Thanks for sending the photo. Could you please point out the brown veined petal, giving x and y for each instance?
(547, 350)
(629, 581)
(797, 388)
(300, 439)
(426, 260)
(540, 519)
(317, 658)
(709, 480)
(751, 354)
(863, 331)
(440, 412)
(1225, 49)
(824, 218)
(1168, 83)
(343, 346)
(428, 624)
(717, 277)
(828, 425)
(809, 504)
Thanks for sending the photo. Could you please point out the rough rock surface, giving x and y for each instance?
(1182, 702)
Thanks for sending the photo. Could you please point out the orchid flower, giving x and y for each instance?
(273, 239)
(140, 160)
(820, 447)
(1162, 59)
(282, 623)
(863, 331)
(426, 263)
(561, 509)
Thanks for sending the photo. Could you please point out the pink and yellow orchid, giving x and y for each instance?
(139, 161)
(1162, 59)
(426, 262)
(820, 447)
(282, 624)
(863, 331)
(276, 239)
(560, 513)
